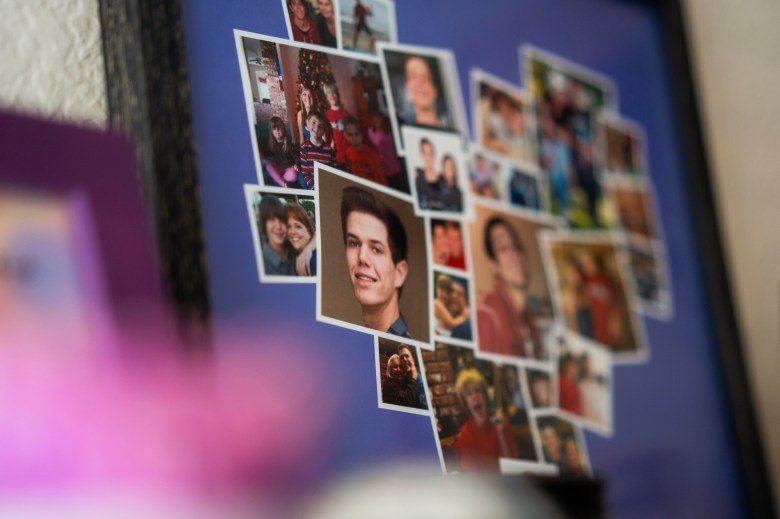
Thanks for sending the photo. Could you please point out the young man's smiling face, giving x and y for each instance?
(407, 360)
(375, 278)
(276, 232)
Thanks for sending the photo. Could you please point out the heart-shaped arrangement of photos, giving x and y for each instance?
(503, 277)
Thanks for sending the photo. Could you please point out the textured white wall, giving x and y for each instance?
(735, 47)
(52, 60)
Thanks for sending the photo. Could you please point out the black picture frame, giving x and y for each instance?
(148, 97)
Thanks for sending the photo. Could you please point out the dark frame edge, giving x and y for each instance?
(149, 100)
(755, 476)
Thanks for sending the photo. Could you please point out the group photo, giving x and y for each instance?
(318, 106)
(567, 102)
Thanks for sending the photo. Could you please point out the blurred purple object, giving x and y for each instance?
(98, 169)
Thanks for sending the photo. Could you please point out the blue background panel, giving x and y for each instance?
(672, 454)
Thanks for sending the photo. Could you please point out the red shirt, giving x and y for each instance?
(478, 448)
(458, 263)
(366, 164)
(598, 291)
(569, 395)
(339, 141)
(503, 329)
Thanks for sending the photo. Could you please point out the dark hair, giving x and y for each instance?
(402, 346)
(356, 199)
(350, 120)
(425, 141)
(270, 207)
(438, 223)
(300, 214)
(273, 146)
(324, 120)
(493, 222)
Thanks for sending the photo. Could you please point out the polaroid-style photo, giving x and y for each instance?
(588, 277)
(514, 306)
(650, 278)
(621, 145)
(283, 223)
(423, 88)
(526, 187)
(438, 172)
(541, 388)
(448, 244)
(503, 117)
(488, 175)
(309, 104)
(480, 415)
(366, 22)
(373, 259)
(634, 207)
(567, 98)
(315, 22)
(400, 381)
(451, 309)
(585, 383)
(563, 445)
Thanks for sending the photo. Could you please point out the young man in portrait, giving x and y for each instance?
(376, 253)
(506, 321)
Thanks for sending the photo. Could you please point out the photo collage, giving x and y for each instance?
(502, 277)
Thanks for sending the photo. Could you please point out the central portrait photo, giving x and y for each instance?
(374, 274)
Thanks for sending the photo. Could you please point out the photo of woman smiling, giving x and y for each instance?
(284, 229)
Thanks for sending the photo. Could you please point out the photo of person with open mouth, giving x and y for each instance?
(481, 413)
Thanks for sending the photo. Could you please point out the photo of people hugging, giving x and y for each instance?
(285, 229)
(319, 106)
(481, 414)
(451, 312)
(400, 379)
